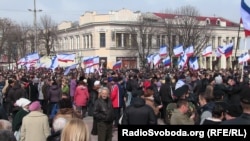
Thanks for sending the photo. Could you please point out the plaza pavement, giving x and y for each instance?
(89, 120)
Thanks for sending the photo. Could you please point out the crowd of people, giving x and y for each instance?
(50, 106)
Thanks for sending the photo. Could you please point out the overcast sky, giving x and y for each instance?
(70, 10)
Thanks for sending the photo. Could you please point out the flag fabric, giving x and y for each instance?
(245, 17)
(241, 59)
(167, 61)
(189, 51)
(117, 65)
(96, 60)
(88, 61)
(218, 52)
(246, 57)
(182, 61)
(163, 51)
(157, 59)
(207, 51)
(54, 63)
(150, 58)
(227, 50)
(34, 57)
(193, 63)
(21, 61)
(66, 57)
(178, 50)
(90, 70)
(67, 70)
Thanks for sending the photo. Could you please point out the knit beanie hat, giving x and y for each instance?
(35, 106)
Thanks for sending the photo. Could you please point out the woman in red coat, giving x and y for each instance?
(81, 97)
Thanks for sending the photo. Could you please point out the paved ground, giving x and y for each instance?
(89, 120)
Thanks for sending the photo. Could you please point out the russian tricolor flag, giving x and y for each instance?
(207, 51)
(245, 17)
(167, 61)
(117, 65)
(227, 50)
(21, 61)
(178, 50)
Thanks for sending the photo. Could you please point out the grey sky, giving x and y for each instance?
(70, 10)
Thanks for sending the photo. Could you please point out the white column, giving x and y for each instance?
(86, 41)
(130, 42)
(90, 39)
(122, 34)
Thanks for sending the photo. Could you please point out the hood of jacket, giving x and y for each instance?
(138, 102)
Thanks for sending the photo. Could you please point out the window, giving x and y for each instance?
(208, 21)
(163, 40)
(218, 22)
(118, 39)
(126, 39)
(150, 40)
(158, 42)
(174, 40)
(134, 40)
(219, 41)
(102, 40)
(213, 42)
(144, 40)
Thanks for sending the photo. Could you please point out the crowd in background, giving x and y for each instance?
(57, 103)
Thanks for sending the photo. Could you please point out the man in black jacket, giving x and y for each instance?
(138, 113)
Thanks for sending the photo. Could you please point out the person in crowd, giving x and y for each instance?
(131, 86)
(148, 96)
(65, 87)
(54, 95)
(179, 115)
(166, 94)
(6, 135)
(81, 97)
(117, 98)
(181, 93)
(217, 116)
(5, 125)
(93, 97)
(58, 126)
(17, 121)
(244, 118)
(75, 130)
(104, 115)
(32, 123)
(138, 113)
(41, 97)
(232, 111)
(66, 110)
(3, 114)
(73, 84)
(206, 106)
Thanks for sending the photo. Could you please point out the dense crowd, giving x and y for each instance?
(50, 106)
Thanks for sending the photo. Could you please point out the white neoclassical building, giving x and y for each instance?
(106, 36)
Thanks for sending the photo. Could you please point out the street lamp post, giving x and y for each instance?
(35, 24)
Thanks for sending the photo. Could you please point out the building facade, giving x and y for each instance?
(106, 36)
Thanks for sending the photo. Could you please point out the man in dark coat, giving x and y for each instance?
(244, 118)
(138, 113)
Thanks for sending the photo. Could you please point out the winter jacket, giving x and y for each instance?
(54, 93)
(103, 110)
(139, 114)
(81, 96)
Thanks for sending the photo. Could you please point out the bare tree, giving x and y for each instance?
(24, 38)
(5, 27)
(47, 33)
(141, 37)
(191, 30)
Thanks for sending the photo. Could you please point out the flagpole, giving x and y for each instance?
(237, 45)
(243, 61)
